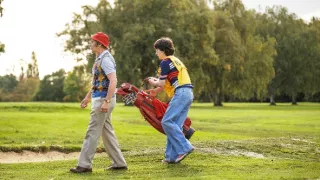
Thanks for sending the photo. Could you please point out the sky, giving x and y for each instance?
(32, 25)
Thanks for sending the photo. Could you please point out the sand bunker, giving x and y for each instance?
(29, 156)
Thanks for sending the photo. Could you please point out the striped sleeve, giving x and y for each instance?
(165, 69)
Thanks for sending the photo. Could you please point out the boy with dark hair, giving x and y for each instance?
(175, 81)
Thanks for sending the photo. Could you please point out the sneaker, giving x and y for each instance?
(182, 156)
(167, 161)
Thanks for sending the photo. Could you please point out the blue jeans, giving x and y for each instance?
(173, 121)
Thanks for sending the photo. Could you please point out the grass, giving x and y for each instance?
(237, 141)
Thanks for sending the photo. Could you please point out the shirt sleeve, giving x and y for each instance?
(108, 65)
(165, 69)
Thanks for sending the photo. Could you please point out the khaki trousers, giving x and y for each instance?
(100, 125)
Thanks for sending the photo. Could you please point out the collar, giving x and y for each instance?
(102, 54)
(168, 58)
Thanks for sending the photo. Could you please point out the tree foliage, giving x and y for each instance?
(76, 84)
(297, 52)
(231, 52)
(8, 82)
(33, 70)
(245, 59)
(1, 8)
(2, 46)
(51, 87)
(25, 90)
(7, 85)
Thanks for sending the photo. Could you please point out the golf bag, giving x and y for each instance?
(152, 109)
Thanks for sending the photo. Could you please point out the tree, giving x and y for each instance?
(82, 27)
(255, 68)
(76, 84)
(194, 38)
(7, 85)
(1, 8)
(8, 82)
(28, 83)
(244, 66)
(51, 87)
(33, 70)
(2, 46)
(22, 75)
(25, 90)
(132, 34)
(292, 58)
(310, 53)
(227, 45)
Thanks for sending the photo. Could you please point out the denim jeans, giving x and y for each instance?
(172, 122)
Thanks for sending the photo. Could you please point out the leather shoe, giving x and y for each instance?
(79, 169)
(117, 168)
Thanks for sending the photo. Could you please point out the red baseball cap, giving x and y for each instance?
(101, 38)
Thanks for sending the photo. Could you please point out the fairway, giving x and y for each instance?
(236, 141)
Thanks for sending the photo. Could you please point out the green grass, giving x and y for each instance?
(237, 141)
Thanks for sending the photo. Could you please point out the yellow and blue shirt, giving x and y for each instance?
(175, 74)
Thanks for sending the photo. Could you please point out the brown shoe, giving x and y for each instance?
(79, 169)
(117, 168)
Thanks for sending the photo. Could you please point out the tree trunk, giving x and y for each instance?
(294, 100)
(272, 101)
(217, 99)
(218, 95)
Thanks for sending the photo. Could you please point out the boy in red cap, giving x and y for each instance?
(104, 84)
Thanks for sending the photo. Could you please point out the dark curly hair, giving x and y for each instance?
(165, 44)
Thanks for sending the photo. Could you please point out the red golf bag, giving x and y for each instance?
(152, 109)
